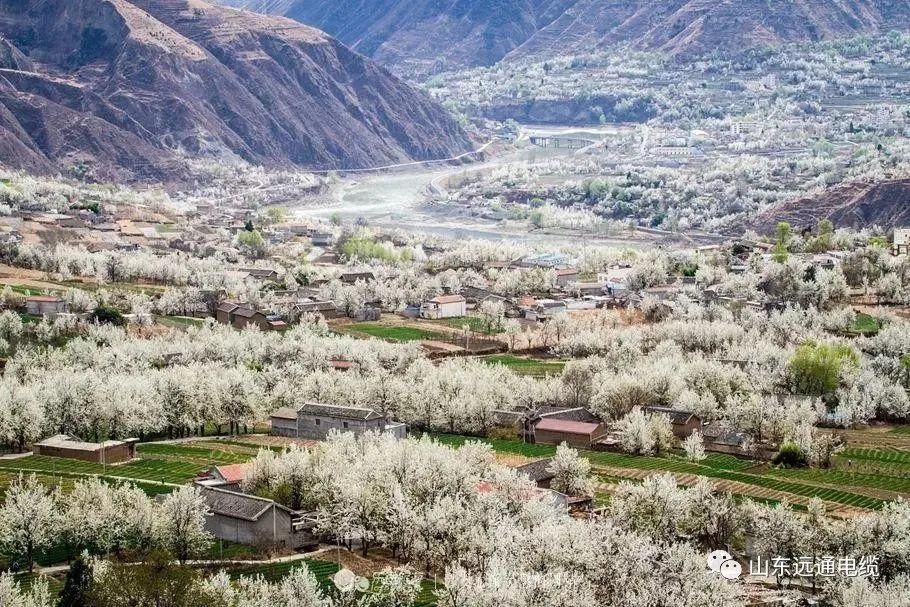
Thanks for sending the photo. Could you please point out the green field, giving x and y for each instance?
(802, 483)
(155, 470)
(393, 333)
(192, 454)
(525, 366)
(474, 323)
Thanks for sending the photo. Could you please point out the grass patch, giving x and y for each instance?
(474, 323)
(525, 366)
(865, 324)
(393, 333)
(162, 471)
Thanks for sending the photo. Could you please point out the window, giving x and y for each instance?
(345, 424)
(317, 421)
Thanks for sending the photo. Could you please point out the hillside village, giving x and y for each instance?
(222, 360)
(615, 316)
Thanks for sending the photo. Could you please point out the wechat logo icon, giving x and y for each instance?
(720, 561)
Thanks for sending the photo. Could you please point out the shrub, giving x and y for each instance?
(791, 456)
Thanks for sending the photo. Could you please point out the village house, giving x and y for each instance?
(581, 435)
(322, 239)
(350, 278)
(529, 419)
(586, 288)
(901, 243)
(108, 452)
(240, 317)
(259, 273)
(444, 306)
(684, 423)
(45, 305)
(538, 471)
(547, 308)
(257, 521)
(326, 309)
(565, 276)
(316, 421)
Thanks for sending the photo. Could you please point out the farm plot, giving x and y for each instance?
(194, 452)
(393, 333)
(153, 470)
(525, 366)
(715, 466)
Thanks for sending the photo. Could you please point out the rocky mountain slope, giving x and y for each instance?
(123, 88)
(885, 204)
(423, 36)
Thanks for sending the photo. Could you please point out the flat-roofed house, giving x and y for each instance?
(444, 306)
(552, 431)
(45, 305)
(108, 452)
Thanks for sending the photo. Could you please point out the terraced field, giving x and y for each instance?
(846, 492)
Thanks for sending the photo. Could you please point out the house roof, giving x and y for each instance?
(44, 299)
(285, 413)
(537, 470)
(62, 441)
(237, 505)
(232, 473)
(566, 426)
(227, 306)
(575, 414)
(356, 275)
(447, 299)
(245, 312)
(677, 416)
(338, 411)
(566, 271)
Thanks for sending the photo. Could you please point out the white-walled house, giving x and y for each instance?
(444, 306)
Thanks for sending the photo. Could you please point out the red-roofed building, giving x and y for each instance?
(578, 434)
(231, 474)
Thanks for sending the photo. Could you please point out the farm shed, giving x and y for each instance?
(108, 452)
